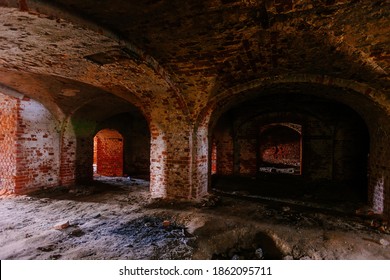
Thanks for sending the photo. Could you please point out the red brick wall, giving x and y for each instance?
(68, 156)
(214, 158)
(200, 163)
(8, 120)
(178, 162)
(280, 145)
(38, 152)
(157, 162)
(29, 144)
(136, 142)
(108, 152)
(171, 159)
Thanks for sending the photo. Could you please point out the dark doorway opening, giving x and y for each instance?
(301, 148)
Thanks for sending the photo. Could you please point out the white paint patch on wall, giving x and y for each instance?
(40, 145)
(157, 167)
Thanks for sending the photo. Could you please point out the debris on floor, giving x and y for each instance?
(119, 220)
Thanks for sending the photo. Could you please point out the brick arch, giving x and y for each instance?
(62, 96)
(49, 103)
(147, 86)
(103, 112)
(56, 11)
(297, 120)
(335, 54)
(243, 91)
(370, 98)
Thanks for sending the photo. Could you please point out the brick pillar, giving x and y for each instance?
(201, 168)
(379, 173)
(386, 195)
(68, 156)
(83, 146)
(170, 161)
(84, 160)
(38, 147)
(158, 152)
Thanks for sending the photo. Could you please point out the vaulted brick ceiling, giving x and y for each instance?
(217, 37)
(207, 46)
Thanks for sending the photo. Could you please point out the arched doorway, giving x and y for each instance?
(280, 148)
(108, 153)
(264, 141)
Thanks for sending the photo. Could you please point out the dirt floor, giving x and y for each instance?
(116, 219)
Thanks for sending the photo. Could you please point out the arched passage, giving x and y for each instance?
(134, 131)
(358, 98)
(270, 138)
(108, 153)
(113, 136)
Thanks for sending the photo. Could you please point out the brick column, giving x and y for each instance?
(379, 172)
(201, 168)
(68, 155)
(170, 158)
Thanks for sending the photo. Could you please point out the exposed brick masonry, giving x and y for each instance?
(8, 122)
(219, 52)
(108, 153)
(30, 146)
(38, 152)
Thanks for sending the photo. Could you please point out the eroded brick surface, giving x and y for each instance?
(183, 64)
(31, 146)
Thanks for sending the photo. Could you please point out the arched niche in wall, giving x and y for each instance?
(280, 148)
(108, 153)
(263, 142)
